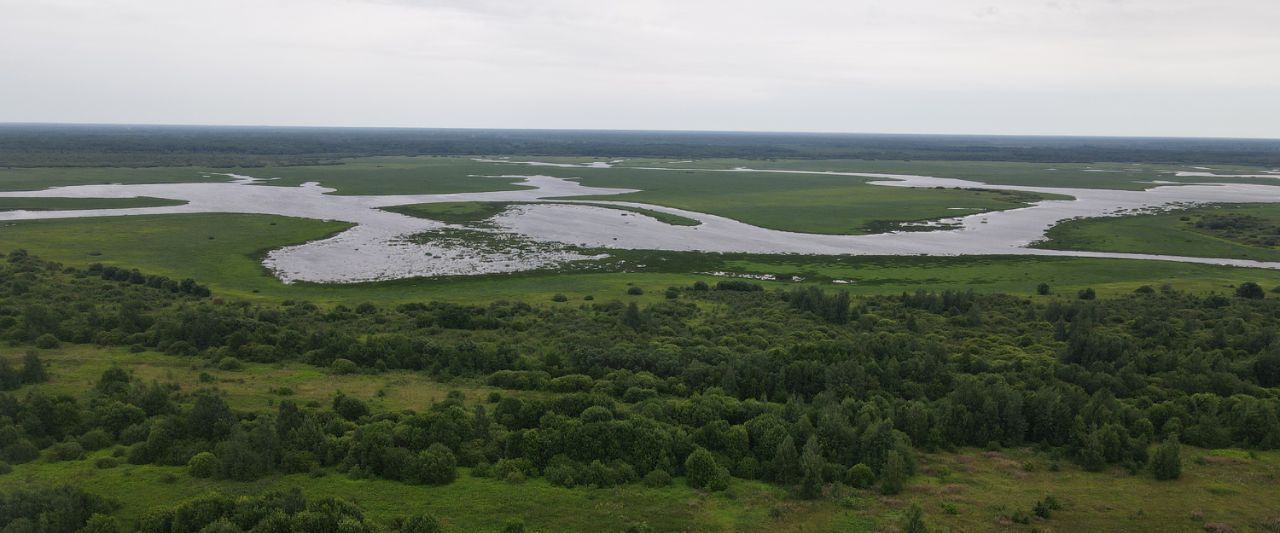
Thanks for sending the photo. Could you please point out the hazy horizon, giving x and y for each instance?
(1109, 68)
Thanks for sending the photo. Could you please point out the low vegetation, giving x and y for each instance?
(1236, 231)
(63, 204)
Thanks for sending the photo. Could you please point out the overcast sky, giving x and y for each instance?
(1089, 67)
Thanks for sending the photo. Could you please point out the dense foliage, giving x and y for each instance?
(802, 388)
(1246, 229)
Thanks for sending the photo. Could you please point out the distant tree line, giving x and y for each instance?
(27, 145)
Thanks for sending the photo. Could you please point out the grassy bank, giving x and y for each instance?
(223, 250)
(1175, 232)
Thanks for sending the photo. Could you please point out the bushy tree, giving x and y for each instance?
(913, 520)
(1166, 464)
(437, 465)
(203, 464)
(421, 523)
(786, 462)
(812, 466)
(1250, 290)
(860, 476)
(893, 477)
(33, 369)
(703, 472)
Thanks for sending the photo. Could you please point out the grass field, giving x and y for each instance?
(62, 204)
(179, 246)
(965, 490)
(1128, 176)
(397, 175)
(806, 203)
(374, 175)
(1171, 232)
(29, 179)
(471, 212)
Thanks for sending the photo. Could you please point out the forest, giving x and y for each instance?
(61, 145)
(805, 389)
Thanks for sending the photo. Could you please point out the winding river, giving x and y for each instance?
(379, 247)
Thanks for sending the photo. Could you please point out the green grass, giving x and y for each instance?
(980, 487)
(1169, 233)
(1127, 176)
(28, 179)
(462, 213)
(63, 204)
(468, 504)
(471, 212)
(674, 220)
(75, 369)
(179, 246)
(218, 248)
(805, 203)
(1009, 274)
(364, 176)
(397, 175)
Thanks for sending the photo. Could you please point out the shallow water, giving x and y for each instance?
(378, 246)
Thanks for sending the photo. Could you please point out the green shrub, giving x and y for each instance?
(1166, 464)
(230, 364)
(860, 476)
(657, 478)
(913, 520)
(634, 291)
(95, 439)
(436, 465)
(1250, 290)
(343, 366)
(47, 341)
(202, 465)
(421, 523)
(702, 472)
(894, 474)
(66, 451)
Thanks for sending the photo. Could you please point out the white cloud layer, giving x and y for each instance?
(1110, 67)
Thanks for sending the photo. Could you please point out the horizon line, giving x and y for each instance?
(632, 130)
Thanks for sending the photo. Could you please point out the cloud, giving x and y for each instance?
(856, 65)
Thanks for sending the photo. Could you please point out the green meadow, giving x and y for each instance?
(1126, 176)
(473, 212)
(225, 250)
(31, 179)
(63, 204)
(1172, 232)
(805, 203)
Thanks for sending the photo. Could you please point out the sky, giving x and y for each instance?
(1198, 68)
